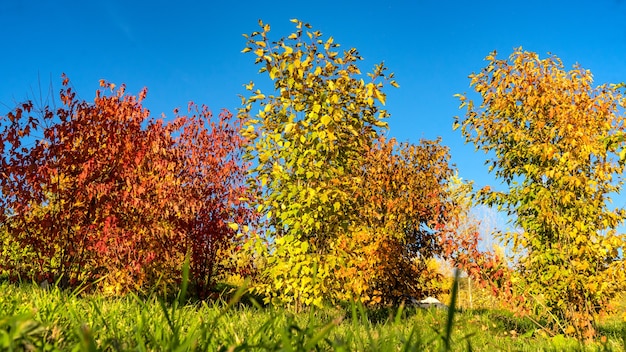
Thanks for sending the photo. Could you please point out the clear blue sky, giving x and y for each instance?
(190, 50)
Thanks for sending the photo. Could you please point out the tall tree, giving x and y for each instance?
(311, 131)
(547, 131)
(306, 137)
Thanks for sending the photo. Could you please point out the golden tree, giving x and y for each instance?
(547, 130)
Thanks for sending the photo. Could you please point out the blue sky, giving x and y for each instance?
(191, 50)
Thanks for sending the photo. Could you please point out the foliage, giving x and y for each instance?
(311, 133)
(307, 137)
(369, 213)
(212, 176)
(293, 275)
(413, 215)
(403, 208)
(100, 191)
(547, 131)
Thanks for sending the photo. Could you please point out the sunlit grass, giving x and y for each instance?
(32, 318)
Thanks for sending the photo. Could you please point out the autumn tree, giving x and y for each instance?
(403, 208)
(306, 136)
(487, 267)
(411, 205)
(102, 191)
(211, 177)
(547, 129)
(311, 131)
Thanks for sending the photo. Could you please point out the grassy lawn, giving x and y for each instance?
(32, 318)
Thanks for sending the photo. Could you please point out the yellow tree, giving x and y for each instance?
(305, 138)
(547, 129)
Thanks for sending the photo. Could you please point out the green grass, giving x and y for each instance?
(32, 318)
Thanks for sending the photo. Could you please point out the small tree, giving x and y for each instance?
(403, 211)
(547, 129)
(311, 132)
(411, 208)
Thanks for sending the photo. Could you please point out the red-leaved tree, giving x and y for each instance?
(101, 190)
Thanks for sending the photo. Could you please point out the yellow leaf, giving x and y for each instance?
(380, 96)
(273, 72)
(233, 226)
(592, 286)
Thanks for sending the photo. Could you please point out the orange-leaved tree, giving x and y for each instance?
(403, 209)
(408, 213)
(549, 132)
(101, 191)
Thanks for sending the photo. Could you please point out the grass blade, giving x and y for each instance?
(447, 338)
